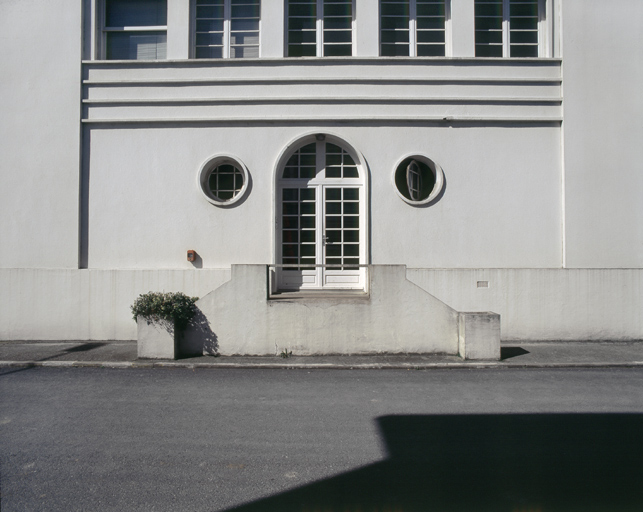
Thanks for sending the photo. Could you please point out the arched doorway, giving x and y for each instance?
(321, 207)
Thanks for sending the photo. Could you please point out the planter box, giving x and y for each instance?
(157, 339)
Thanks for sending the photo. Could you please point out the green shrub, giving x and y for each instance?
(165, 306)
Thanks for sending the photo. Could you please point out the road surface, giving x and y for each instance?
(321, 440)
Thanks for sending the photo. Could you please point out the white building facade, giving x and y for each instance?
(493, 147)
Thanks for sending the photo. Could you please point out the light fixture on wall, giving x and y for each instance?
(191, 256)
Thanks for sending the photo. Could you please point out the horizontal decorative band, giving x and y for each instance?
(318, 99)
(298, 61)
(333, 120)
(251, 80)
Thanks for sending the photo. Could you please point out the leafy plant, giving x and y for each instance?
(285, 353)
(176, 307)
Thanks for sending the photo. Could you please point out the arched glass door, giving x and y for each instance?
(321, 219)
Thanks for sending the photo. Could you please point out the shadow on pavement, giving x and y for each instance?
(509, 352)
(80, 347)
(84, 347)
(514, 463)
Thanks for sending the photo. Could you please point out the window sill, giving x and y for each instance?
(343, 60)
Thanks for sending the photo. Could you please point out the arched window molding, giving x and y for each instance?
(321, 214)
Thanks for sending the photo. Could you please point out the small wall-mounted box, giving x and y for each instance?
(191, 256)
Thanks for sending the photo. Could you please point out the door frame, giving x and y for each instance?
(362, 181)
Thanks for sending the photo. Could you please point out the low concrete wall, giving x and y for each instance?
(44, 304)
(397, 317)
(534, 304)
(546, 304)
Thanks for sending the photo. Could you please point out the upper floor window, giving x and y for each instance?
(135, 29)
(413, 28)
(227, 29)
(508, 28)
(320, 28)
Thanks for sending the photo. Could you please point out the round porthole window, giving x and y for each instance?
(223, 180)
(418, 180)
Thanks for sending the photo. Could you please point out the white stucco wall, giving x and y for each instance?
(523, 198)
(500, 207)
(40, 52)
(493, 126)
(500, 203)
(603, 130)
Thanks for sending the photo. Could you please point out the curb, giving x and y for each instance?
(310, 366)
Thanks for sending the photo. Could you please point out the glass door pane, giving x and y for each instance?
(298, 235)
(341, 228)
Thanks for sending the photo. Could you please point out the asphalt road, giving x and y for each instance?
(321, 440)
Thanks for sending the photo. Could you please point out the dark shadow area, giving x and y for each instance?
(85, 347)
(7, 371)
(198, 338)
(514, 463)
(198, 261)
(83, 213)
(509, 352)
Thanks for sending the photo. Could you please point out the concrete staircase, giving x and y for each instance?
(243, 317)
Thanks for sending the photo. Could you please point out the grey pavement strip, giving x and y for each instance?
(304, 366)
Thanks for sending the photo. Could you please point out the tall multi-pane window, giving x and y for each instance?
(413, 28)
(321, 217)
(319, 28)
(227, 29)
(135, 29)
(508, 28)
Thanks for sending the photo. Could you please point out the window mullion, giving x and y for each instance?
(320, 226)
(320, 159)
(226, 29)
(353, 29)
(320, 28)
(505, 28)
(412, 28)
(103, 38)
(448, 43)
(543, 40)
(320, 223)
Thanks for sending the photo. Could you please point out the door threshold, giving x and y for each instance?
(336, 294)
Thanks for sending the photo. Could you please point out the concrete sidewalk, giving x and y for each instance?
(122, 354)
